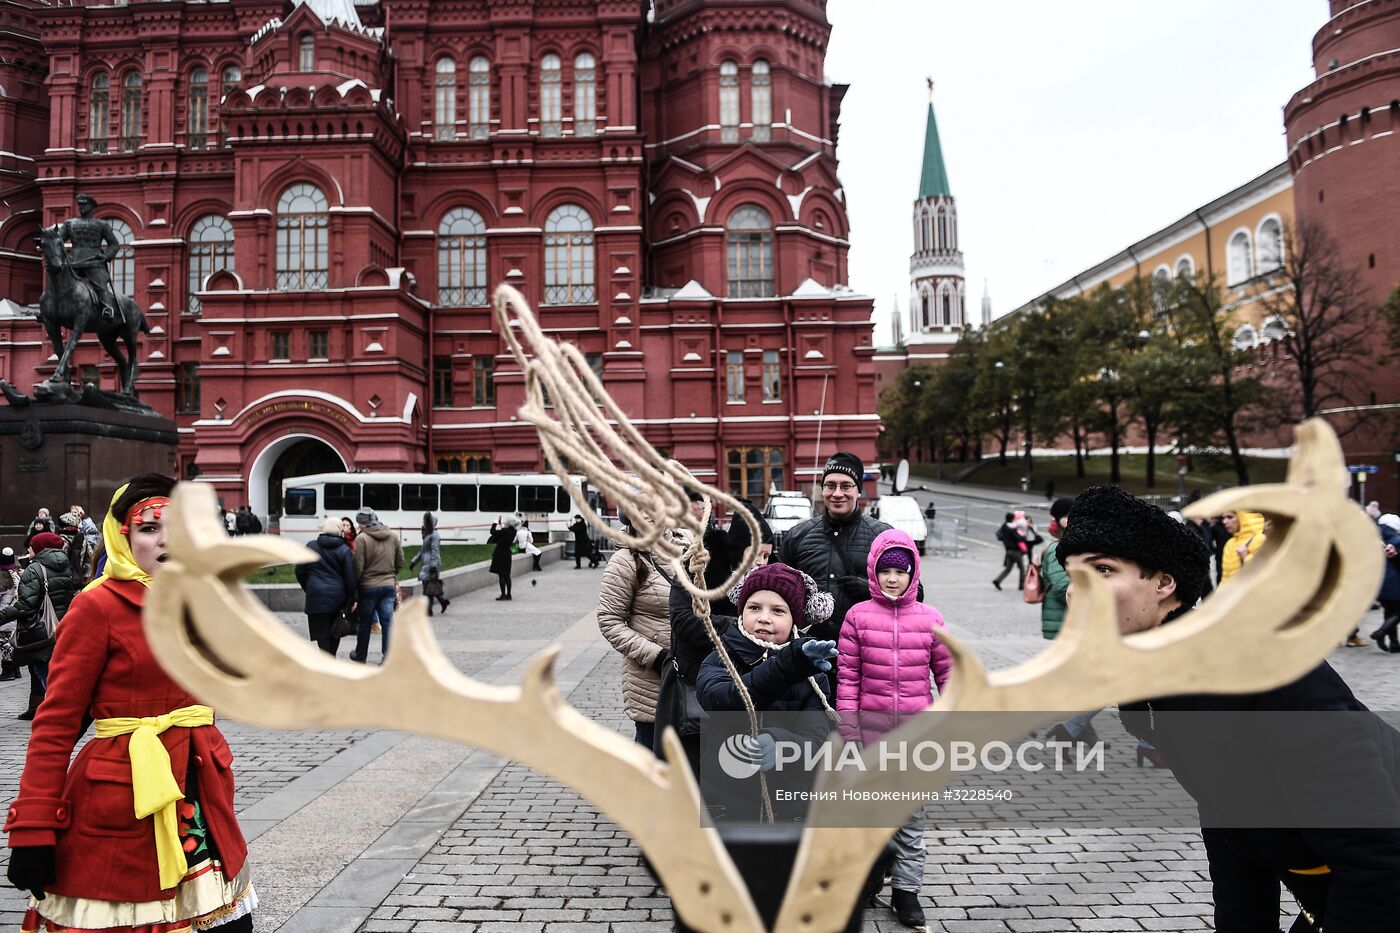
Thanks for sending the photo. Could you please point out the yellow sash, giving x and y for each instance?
(153, 785)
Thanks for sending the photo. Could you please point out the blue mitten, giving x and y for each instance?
(763, 749)
(819, 653)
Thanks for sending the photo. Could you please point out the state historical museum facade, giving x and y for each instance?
(320, 196)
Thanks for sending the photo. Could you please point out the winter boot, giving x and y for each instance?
(907, 908)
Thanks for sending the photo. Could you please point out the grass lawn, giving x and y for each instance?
(1209, 473)
(453, 555)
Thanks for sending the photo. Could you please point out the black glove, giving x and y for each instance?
(662, 659)
(855, 589)
(31, 868)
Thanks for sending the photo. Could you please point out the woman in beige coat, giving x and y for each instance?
(633, 615)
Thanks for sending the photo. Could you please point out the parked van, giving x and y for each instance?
(902, 512)
(785, 511)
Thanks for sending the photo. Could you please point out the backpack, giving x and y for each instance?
(1033, 590)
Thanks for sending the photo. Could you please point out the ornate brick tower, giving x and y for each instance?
(1342, 144)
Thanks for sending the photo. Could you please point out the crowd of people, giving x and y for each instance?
(832, 624)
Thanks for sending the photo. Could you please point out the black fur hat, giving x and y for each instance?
(1106, 520)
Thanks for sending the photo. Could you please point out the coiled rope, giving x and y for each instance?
(586, 432)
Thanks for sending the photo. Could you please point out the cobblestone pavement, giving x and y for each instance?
(381, 832)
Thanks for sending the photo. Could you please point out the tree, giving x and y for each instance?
(1216, 390)
(1325, 321)
(899, 409)
(992, 391)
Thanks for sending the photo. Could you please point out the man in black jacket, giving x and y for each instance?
(833, 547)
(1281, 761)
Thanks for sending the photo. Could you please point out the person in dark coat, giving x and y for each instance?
(47, 573)
(832, 548)
(502, 536)
(583, 545)
(1386, 637)
(329, 585)
(782, 672)
(42, 522)
(1343, 879)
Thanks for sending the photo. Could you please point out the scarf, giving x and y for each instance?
(121, 565)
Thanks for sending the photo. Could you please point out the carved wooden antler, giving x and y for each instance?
(1267, 627)
(216, 639)
(1275, 620)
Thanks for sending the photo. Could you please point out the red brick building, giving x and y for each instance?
(320, 196)
(1344, 154)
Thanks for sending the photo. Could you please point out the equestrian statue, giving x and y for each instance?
(79, 295)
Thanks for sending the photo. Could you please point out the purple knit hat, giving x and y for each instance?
(897, 557)
(780, 579)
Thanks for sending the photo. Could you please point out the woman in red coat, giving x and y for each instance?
(76, 844)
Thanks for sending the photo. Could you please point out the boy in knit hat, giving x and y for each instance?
(888, 649)
(782, 671)
(1341, 878)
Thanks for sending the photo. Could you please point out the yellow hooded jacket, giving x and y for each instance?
(1251, 536)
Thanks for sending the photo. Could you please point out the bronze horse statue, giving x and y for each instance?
(71, 301)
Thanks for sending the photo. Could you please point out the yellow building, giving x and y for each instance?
(1238, 238)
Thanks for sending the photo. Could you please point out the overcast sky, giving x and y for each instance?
(1070, 128)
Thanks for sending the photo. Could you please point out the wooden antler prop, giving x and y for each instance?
(217, 640)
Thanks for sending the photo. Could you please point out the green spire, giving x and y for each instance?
(934, 179)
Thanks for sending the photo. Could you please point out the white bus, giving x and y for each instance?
(465, 503)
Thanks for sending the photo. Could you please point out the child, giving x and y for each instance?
(887, 649)
(781, 671)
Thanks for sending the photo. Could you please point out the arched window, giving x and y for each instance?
(479, 102)
(197, 124)
(461, 259)
(131, 111)
(1270, 246)
(211, 249)
(928, 231)
(947, 317)
(302, 251)
(1275, 328)
(1185, 268)
(942, 241)
(762, 93)
(750, 247)
(1241, 258)
(445, 99)
(926, 320)
(551, 109)
(568, 256)
(99, 112)
(306, 52)
(124, 265)
(228, 82)
(585, 95)
(1246, 338)
(728, 102)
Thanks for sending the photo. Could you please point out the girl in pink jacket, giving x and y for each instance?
(887, 652)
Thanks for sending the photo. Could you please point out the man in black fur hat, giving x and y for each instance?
(1343, 879)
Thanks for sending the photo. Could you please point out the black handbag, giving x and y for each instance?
(344, 625)
(678, 705)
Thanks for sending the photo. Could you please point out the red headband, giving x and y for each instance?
(154, 502)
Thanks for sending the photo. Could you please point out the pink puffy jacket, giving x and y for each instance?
(887, 650)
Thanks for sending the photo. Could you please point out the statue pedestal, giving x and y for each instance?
(58, 455)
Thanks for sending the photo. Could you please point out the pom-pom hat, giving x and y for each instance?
(806, 603)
